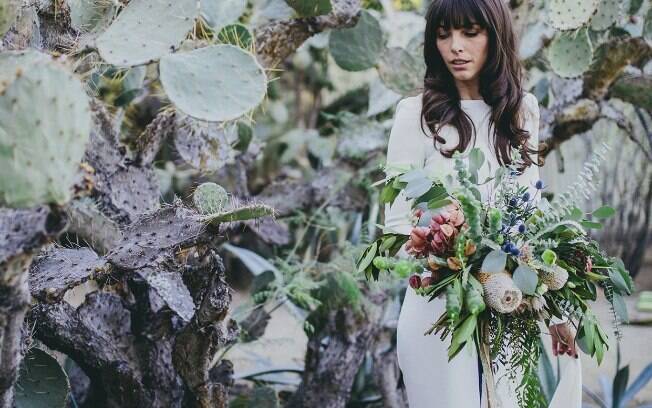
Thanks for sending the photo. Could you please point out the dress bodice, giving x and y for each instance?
(409, 145)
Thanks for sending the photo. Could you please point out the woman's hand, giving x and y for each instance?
(563, 339)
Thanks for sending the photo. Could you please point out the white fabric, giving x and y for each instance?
(431, 381)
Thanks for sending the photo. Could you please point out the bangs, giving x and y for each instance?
(458, 14)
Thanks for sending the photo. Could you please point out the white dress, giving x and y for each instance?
(430, 380)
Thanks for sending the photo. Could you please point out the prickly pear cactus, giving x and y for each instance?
(570, 53)
(647, 27)
(146, 30)
(215, 83)
(236, 34)
(359, 47)
(42, 382)
(400, 71)
(219, 13)
(8, 13)
(570, 14)
(44, 126)
(210, 198)
(90, 15)
(310, 8)
(607, 14)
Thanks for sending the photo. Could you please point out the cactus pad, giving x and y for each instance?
(236, 34)
(146, 30)
(608, 13)
(647, 27)
(90, 15)
(210, 198)
(8, 13)
(570, 53)
(400, 71)
(219, 13)
(42, 381)
(44, 126)
(358, 48)
(310, 8)
(205, 145)
(195, 85)
(570, 14)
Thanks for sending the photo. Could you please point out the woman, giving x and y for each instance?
(472, 90)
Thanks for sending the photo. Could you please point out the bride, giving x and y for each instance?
(473, 93)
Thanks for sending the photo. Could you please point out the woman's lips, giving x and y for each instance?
(460, 66)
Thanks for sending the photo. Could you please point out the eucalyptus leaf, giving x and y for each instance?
(526, 279)
(604, 212)
(620, 307)
(494, 262)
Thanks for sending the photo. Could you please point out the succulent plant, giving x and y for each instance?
(196, 88)
(146, 30)
(570, 53)
(210, 198)
(44, 126)
(570, 14)
(8, 13)
(358, 48)
(42, 381)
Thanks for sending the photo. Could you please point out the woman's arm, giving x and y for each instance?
(405, 147)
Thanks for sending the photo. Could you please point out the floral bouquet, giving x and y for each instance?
(503, 265)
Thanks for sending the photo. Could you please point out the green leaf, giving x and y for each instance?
(620, 307)
(620, 385)
(549, 257)
(462, 334)
(576, 214)
(388, 194)
(494, 262)
(476, 159)
(591, 224)
(387, 243)
(604, 212)
(369, 255)
(618, 281)
(434, 204)
(526, 279)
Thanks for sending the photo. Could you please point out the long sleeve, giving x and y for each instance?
(406, 147)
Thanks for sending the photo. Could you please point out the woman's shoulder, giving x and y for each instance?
(530, 104)
(410, 103)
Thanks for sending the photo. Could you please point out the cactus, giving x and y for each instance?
(608, 13)
(44, 126)
(246, 212)
(359, 47)
(146, 30)
(570, 53)
(204, 145)
(571, 14)
(90, 15)
(197, 88)
(400, 71)
(236, 34)
(219, 13)
(647, 27)
(42, 382)
(310, 8)
(8, 13)
(210, 198)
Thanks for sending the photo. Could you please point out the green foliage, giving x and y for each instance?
(236, 34)
(42, 382)
(358, 48)
(400, 71)
(44, 126)
(196, 88)
(146, 30)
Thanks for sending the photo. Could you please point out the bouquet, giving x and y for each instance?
(504, 264)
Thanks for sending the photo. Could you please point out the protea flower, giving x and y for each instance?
(500, 292)
(554, 276)
(418, 243)
(443, 234)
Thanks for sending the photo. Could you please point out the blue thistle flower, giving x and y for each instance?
(539, 185)
(514, 251)
(521, 228)
(526, 196)
(513, 202)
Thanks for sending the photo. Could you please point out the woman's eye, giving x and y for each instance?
(471, 34)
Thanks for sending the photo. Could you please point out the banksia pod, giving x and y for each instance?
(554, 276)
(500, 292)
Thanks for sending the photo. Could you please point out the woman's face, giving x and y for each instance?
(467, 44)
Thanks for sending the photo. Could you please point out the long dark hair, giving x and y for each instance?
(500, 79)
